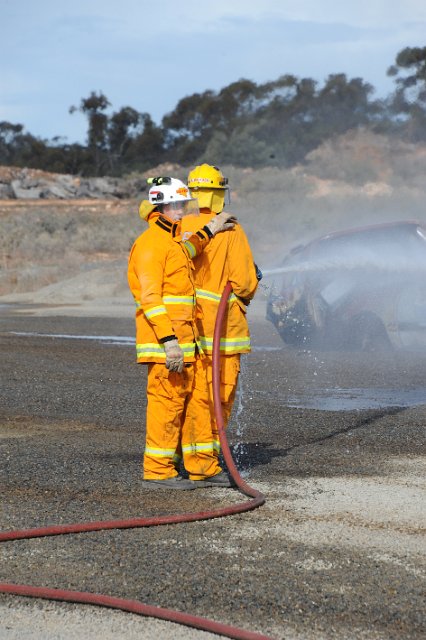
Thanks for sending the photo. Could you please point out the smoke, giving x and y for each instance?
(362, 289)
(387, 264)
(399, 248)
(283, 208)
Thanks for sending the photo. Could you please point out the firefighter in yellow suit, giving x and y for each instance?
(160, 278)
(228, 257)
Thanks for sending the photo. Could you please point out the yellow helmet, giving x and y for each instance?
(208, 185)
(205, 176)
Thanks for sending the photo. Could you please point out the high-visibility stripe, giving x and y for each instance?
(188, 349)
(160, 309)
(155, 350)
(145, 351)
(203, 294)
(159, 453)
(199, 346)
(156, 311)
(179, 300)
(216, 445)
(226, 344)
(196, 447)
(190, 248)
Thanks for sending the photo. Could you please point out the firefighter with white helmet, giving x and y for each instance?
(160, 278)
(228, 257)
(167, 195)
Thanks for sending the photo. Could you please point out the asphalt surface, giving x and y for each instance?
(336, 441)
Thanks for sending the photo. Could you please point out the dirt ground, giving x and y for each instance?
(335, 441)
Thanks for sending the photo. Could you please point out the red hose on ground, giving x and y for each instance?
(259, 498)
(133, 605)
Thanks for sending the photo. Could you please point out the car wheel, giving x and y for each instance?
(367, 333)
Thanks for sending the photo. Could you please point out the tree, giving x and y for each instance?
(276, 123)
(146, 149)
(9, 138)
(344, 104)
(188, 128)
(409, 99)
(97, 140)
(122, 127)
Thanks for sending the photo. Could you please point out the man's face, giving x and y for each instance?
(174, 211)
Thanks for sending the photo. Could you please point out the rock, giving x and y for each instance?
(102, 188)
(26, 184)
(56, 191)
(6, 191)
(23, 191)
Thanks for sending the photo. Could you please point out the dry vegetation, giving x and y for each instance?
(353, 180)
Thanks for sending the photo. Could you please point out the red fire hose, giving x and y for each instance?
(135, 606)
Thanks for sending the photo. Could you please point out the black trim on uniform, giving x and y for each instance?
(164, 224)
(206, 229)
(168, 225)
(167, 339)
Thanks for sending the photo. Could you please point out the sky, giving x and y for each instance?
(150, 54)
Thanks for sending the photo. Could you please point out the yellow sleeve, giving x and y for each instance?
(242, 270)
(195, 243)
(149, 265)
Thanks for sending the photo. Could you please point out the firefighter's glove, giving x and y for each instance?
(222, 222)
(174, 356)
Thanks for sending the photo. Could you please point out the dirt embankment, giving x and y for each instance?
(56, 228)
(29, 184)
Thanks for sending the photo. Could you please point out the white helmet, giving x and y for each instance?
(167, 190)
(174, 195)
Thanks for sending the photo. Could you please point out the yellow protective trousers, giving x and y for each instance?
(229, 372)
(178, 423)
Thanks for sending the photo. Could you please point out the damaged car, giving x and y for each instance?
(360, 289)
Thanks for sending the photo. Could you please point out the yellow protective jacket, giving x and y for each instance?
(228, 257)
(160, 279)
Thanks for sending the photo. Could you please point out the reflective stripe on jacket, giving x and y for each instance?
(228, 257)
(161, 281)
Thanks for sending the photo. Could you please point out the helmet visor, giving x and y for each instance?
(181, 208)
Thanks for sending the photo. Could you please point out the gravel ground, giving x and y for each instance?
(335, 441)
